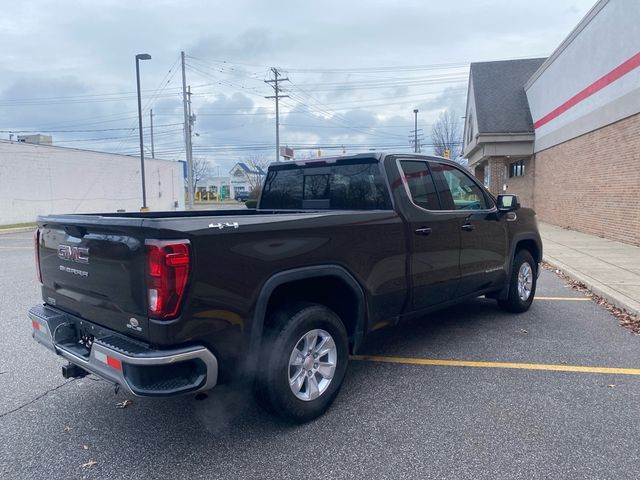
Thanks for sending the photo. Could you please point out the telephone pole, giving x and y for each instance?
(277, 97)
(153, 152)
(187, 136)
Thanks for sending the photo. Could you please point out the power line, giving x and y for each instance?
(41, 130)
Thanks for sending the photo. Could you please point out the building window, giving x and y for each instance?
(470, 128)
(516, 169)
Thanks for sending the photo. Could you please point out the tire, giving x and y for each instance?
(293, 328)
(517, 300)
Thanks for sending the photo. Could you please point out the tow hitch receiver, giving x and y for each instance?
(73, 371)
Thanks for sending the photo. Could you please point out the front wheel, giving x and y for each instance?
(522, 284)
(304, 360)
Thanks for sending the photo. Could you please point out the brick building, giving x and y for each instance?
(564, 132)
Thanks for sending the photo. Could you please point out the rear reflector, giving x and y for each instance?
(35, 325)
(36, 245)
(111, 361)
(168, 263)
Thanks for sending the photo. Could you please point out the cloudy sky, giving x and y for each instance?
(356, 69)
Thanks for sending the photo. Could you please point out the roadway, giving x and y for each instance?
(469, 392)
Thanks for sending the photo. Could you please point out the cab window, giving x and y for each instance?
(456, 189)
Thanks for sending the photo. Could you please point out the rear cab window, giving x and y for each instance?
(344, 185)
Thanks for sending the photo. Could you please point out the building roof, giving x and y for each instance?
(500, 99)
(247, 169)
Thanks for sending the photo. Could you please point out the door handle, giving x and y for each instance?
(467, 227)
(423, 231)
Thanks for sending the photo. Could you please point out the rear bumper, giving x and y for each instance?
(123, 361)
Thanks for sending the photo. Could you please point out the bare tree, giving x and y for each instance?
(256, 163)
(201, 170)
(446, 134)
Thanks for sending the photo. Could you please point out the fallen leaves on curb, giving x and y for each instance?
(85, 447)
(522, 330)
(67, 428)
(626, 319)
(123, 404)
(89, 464)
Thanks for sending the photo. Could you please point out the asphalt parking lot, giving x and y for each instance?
(510, 405)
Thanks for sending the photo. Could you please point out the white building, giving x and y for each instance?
(241, 178)
(44, 179)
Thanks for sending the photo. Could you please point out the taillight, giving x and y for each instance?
(167, 273)
(36, 246)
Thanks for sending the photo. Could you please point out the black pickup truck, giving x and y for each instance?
(172, 303)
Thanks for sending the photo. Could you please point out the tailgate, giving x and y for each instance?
(97, 273)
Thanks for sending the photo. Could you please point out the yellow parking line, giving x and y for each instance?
(518, 366)
(567, 299)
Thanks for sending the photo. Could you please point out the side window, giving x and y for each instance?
(421, 184)
(456, 189)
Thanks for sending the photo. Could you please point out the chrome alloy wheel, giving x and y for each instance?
(525, 281)
(312, 364)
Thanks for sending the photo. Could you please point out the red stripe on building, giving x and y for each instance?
(596, 86)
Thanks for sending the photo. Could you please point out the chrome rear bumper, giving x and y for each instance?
(123, 361)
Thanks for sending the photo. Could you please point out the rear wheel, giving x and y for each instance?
(304, 360)
(522, 284)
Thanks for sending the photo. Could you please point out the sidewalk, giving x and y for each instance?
(17, 228)
(609, 269)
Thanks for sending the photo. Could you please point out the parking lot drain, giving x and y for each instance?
(509, 365)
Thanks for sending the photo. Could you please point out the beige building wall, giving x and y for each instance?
(592, 183)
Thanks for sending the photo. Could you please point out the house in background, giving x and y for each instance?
(241, 178)
(564, 132)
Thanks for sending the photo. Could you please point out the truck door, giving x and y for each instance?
(434, 237)
(483, 233)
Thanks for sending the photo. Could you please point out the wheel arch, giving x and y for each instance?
(522, 241)
(334, 275)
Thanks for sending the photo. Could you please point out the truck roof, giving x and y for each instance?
(377, 156)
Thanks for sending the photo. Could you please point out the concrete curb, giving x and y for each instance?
(17, 229)
(614, 298)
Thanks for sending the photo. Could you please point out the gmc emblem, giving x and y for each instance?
(73, 254)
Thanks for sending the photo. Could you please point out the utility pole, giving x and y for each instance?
(187, 137)
(153, 152)
(277, 97)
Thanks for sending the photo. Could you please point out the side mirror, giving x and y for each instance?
(508, 203)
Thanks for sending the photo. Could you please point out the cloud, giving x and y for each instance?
(65, 48)
(252, 44)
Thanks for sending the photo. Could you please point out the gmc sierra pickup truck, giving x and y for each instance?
(172, 303)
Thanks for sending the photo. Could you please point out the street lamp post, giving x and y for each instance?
(141, 56)
(415, 131)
